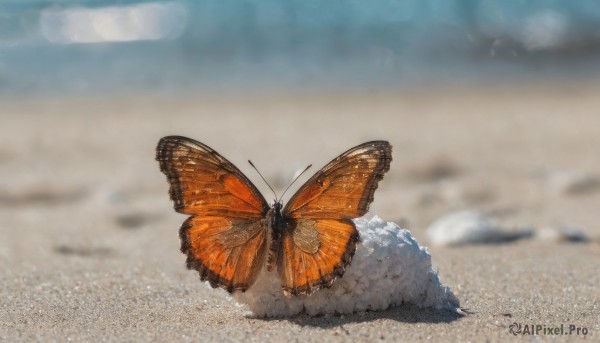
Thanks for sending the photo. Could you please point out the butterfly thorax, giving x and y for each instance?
(275, 227)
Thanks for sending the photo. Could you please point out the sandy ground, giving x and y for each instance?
(88, 239)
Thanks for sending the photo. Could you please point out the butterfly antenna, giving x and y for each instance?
(288, 187)
(271, 188)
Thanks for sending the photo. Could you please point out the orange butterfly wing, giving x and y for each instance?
(319, 238)
(224, 239)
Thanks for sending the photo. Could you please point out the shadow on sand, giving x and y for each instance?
(406, 313)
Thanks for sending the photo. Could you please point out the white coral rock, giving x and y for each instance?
(389, 268)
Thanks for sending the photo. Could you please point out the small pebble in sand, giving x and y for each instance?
(470, 227)
(573, 183)
(564, 233)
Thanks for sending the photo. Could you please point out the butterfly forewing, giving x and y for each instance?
(204, 183)
(344, 188)
(224, 239)
(320, 239)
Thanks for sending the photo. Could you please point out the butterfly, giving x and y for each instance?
(232, 232)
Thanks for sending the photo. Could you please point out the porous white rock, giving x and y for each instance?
(389, 268)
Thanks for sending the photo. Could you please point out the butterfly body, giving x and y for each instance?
(232, 233)
(275, 228)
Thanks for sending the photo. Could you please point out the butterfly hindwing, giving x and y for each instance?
(320, 238)
(315, 253)
(224, 239)
(229, 253)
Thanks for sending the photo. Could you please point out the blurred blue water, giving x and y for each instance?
(123, 45)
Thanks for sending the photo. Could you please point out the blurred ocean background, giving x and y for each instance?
(113, 46)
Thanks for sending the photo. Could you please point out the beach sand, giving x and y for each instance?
(89, 243)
